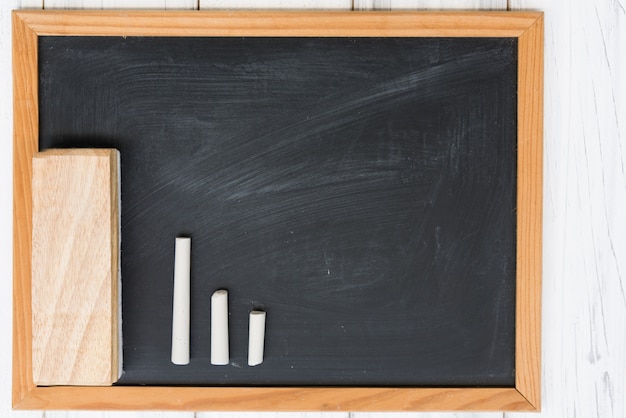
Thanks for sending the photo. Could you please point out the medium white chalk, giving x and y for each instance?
(256, 338)
(219, 328)
(180, 314)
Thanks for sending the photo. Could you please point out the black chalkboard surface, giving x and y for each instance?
(362, 191)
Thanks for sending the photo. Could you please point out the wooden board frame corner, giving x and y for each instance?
(527, 27)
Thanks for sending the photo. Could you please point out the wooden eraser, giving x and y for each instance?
(76, 288)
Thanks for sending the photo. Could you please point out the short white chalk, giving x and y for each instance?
(256, 338)
(180, 314)
(219, 328)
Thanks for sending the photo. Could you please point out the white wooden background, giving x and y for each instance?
(584, 301)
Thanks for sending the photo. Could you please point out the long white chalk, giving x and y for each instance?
(256, 338)
(219, 328)
(180, 317)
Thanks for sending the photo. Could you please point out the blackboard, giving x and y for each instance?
(361, 190)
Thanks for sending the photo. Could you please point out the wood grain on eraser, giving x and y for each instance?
(76, 292)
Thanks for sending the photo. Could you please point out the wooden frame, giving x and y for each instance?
(527, 27)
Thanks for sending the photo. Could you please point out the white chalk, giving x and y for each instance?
(256, 338)
(180, 314)
(219, 328)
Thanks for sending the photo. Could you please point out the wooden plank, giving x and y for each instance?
(274, 399)
(118, 414)
(169, 4)
(75, 269)
(29, 4)
(529, 214)
(6, 204)
(121, 4)
(428, 415)
(251, 23)
(276, 4)
(430, 4)
(25, 137)
(273, 415)
(584, 301)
